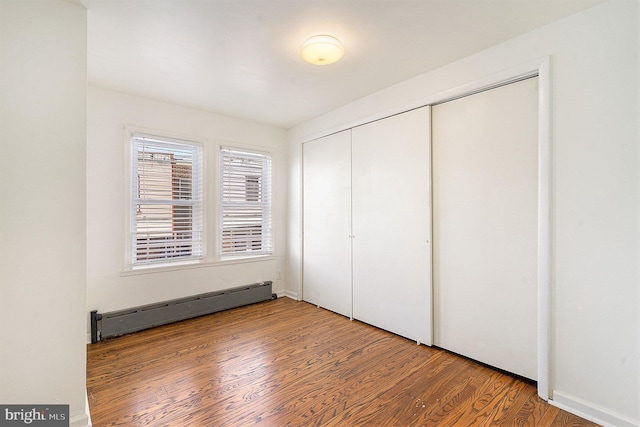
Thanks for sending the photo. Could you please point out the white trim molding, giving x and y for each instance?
(289, 294)
(591, 412)
(544, 228)
(82, 420)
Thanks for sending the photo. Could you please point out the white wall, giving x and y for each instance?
(42, 204)
(109, 288)
(595, 349)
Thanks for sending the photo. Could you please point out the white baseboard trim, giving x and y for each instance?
(289, 294)
(591, 412)
(82, 420)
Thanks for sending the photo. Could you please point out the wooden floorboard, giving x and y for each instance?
(289, 363)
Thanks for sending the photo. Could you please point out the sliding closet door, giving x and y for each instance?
(326, 276)
(485, 226)
(391, 224)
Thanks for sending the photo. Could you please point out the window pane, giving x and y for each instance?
(167, 220)
(245, 203)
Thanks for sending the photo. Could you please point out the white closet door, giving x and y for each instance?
(485, 226)
(392, 224)
(326, 276)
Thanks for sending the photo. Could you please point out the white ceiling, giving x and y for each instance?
(240, 57)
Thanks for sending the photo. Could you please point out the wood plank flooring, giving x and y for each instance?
(288, 363)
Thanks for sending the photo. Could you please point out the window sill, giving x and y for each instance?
(188, 265)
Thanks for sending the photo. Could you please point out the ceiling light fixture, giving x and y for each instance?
(321, 50)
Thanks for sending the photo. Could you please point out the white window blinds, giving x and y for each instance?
(166, 217)
(245, 203)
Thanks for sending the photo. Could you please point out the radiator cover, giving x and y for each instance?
(116, 323)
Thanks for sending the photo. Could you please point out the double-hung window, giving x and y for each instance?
(245, 203)
(166, 211)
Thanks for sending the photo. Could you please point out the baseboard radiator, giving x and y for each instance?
(116, 323)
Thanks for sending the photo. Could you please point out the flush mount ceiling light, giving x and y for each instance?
(321, 50)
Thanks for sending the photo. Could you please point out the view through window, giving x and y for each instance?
(245, 203)
(166, 224)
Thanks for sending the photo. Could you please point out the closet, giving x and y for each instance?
(367, 224)
(368, 248)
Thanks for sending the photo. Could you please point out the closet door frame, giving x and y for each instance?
(541, 69)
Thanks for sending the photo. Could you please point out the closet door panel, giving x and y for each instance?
(392, 224)
(485, 226)
(327, 222)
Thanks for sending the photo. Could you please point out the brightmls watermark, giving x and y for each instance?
(34, 415)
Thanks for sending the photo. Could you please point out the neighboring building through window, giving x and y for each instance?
(245, 203)
(166, 219)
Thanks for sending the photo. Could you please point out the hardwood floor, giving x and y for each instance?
(288, 363)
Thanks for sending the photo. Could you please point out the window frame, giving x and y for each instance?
(265, 198)
(196, 203)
